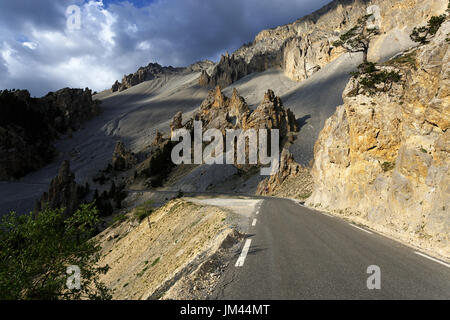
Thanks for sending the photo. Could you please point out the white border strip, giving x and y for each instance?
(326, 214)
(241, 260)
(433, 259)
(360, 228)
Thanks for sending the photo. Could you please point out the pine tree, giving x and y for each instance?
(358, 38)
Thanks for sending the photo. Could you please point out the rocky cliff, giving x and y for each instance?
(306, 45)
(29, 125)
(154, 70)
(383, 157)
(63, 192)
(218, 111)
(291, 181)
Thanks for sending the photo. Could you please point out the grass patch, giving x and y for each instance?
(140, 274)
(144, 211)
(156, 261)
(305, 195)
(120, 218)
(408, 60)
(193, 224)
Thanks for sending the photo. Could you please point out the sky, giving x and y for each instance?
(44, 47)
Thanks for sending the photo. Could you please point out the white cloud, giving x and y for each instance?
(117, 39)
(30, 45)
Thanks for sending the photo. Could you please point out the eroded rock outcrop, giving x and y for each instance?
(28, 126)
(150, 72)
(154, 70)
(385, 156)
(218, 111)
(62, 193)
(177, 122)
(232, 68)
(270, 114)
(122, 158)
(292, 180)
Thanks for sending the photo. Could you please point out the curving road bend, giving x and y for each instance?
(292, 252)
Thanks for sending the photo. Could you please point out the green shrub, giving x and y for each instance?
(424, 33)
(370, 78)
(35, 251)
(155, 262)
(144, 211)
(358, 38)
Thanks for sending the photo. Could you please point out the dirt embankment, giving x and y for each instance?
(177, 252)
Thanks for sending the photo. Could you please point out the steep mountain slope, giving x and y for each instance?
(131, 116)
(384, 155)
(306, 45)
(302, 51)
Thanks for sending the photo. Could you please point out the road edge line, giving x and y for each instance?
(240, 262)
(362, 229)
(432, 259)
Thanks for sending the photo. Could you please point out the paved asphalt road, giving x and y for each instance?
(298, 253)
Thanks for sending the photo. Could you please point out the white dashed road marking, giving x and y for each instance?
(254, 222)
(360, 228)
(433, 259)
(241, 260)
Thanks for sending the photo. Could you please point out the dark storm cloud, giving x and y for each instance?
(41, 54)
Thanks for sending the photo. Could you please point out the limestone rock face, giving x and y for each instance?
(159, 138)
(122, 158)
(154, 70)
(204, 79)
(385, 156)
(270, 114)
(62, 192)
(302, 57)
(220, 112)
(292, 180)
(200, 66)
(232, 68)
(149, 72)
(305, 46)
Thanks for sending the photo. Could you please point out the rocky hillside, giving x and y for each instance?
(29, 125)
(154, 70)
(384, 155)
(306, 45)
(175, 252)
